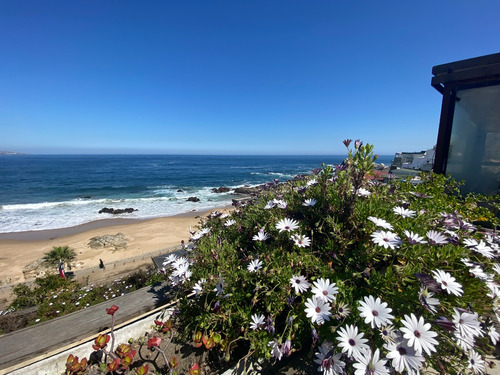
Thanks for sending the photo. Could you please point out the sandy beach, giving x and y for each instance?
(144, 238)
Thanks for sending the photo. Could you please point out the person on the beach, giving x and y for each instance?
(101, 264)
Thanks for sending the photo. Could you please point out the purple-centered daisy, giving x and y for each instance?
(352, 342)
(287, 225)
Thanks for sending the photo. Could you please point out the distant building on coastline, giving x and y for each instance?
(423, 160)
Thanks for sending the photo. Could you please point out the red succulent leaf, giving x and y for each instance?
(127, 361)
(101, 341)
(155, 341)
(167, 326)
(208, 342)
(142, 370)
(122, 350)
(112, 310)
(194, 369)
(197, 337)
(173, 362)
(115, 365)
(71, 360)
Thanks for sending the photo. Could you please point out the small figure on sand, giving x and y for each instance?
(101, 264)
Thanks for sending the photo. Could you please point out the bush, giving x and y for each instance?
(360, 274)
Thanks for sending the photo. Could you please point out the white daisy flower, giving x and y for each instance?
(219, 287)
(301, 241)
(476, 363)
(496, 268)
(448, 282)
(269, 205)
(436, 238)
(465, 343)
(329, 362)
(478, 272)
(254, 265)
(261, 236)
(362, 192)
(467, 324)
(287, 225)
(281, 204)
(414, 238)
(224, 215)
(467, 262)
(484, 250)
(229, 222)
(197, 288)
(343, 311)
(494, 289)
(470, 242)
(309, 202)
(403, 356)
(318, 310)
(380, 223)
(388, 333)
(427, 300)
(418, 334)
(311, 182)
(351, 341)
(170, 259)
(386, 239)
(494, 335)
(370, 363)
(258, 321)
(375, 312)
(204, 231)
(324, 290)
(300, 283)
(276, 349)
(403, 212)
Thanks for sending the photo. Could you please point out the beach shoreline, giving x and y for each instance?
(143, 238)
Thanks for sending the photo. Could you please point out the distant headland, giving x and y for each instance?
(11, 153)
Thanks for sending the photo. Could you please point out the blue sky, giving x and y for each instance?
(230, 77)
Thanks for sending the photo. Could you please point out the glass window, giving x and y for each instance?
(474, 154)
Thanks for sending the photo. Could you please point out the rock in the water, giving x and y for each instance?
(193, 199)
(116, 211)
(118, 241)
(222, 189)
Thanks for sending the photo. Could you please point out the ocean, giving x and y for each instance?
(39, 192)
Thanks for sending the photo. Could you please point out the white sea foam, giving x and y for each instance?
(53, 215)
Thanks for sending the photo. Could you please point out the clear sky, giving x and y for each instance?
(230, 77)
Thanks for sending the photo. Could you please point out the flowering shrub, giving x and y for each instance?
(368, 277)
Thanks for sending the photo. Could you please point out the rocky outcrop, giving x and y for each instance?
(247, 190)
(117, 241)
(34, 269)
(222, 189)
(193, 199)
(116, 211)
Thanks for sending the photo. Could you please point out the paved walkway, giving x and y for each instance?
(42, 338)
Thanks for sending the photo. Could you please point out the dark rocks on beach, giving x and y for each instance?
(193, 199)
(116, 211)
(222, 189)
(180, 191)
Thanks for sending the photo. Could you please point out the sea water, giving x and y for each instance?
(40, 192)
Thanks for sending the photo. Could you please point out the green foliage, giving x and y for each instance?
(344, 250)
(59, 253)
(56, 296)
